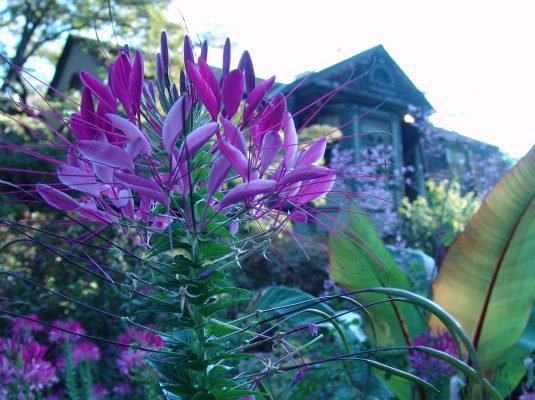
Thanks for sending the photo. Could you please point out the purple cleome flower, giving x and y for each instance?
(134, 159)
(130, 360)
(23, 364)
(427, 367)
(22, 325)
(81, 351)
(57, 335)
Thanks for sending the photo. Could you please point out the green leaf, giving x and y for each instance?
(211, 251)
(511, 369)
(212, 308)
(203, 396)
(487, 280)
(527, 340)
(232, 394)
(360, 260)
(219, 328)
(397, 372)
(280, 296)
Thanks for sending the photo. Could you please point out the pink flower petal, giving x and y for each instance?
(218, 174)
(290, 140)
(135, 84)
(104, 173)
(196, 139)
(164, 48)
(270, 146)
(79, 127)
(203, 90)
(143, 186)
(299, 216)
(188, 50)
(232, 89)
(133, 148)
(105, 154)
(247, 190)
(304, 173)
(87, 112)
(226, 59)
(99, 90)
(235, 157)
(314, 153)
(89, 210)
(209, 77)
(255, 97)
(315, 188)
(131, 131)
(174, 121)
(56, 198)
(78, 179)
(234, 135)
(272, 116)
(118, 79)
(246, 65)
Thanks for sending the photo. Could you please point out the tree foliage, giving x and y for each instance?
(36, 24)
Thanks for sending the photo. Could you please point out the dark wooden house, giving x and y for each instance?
(375, 104)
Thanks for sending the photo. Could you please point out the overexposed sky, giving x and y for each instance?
(474, 60)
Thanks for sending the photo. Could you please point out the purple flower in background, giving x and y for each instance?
(129, 359)
(22, 363)
(99, 391)
(122, 388)
(21, 325)
(428, 367)
(81, 351)
(85, 351)
(57, 335)
(313, 328)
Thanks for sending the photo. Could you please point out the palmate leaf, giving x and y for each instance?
(487, 280)
(363, 262)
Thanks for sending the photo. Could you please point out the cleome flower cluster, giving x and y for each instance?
(155, 153)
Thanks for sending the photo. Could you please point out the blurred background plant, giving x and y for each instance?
(432, 222)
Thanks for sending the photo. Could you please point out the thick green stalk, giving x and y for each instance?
(70, 373)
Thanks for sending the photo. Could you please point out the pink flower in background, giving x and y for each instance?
(122, 388)
(85, 351)
(57, 335)
(129, 360)
(22, 361)
(81, 351)
(19, 325)
(428, 367)
(100, 392)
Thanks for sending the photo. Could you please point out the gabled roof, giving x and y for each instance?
(455, 137)
(381, 80)
(89, 45)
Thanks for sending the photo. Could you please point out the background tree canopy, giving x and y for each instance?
(34, 26)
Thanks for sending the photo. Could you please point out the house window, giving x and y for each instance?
(457, 160)
(377, 134)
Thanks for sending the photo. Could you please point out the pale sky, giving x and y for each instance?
(474, 60)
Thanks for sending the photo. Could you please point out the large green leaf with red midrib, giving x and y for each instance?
(487, 280)
(360, 260)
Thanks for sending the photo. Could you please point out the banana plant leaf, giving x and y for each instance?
(487, 280)
(360, 260)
